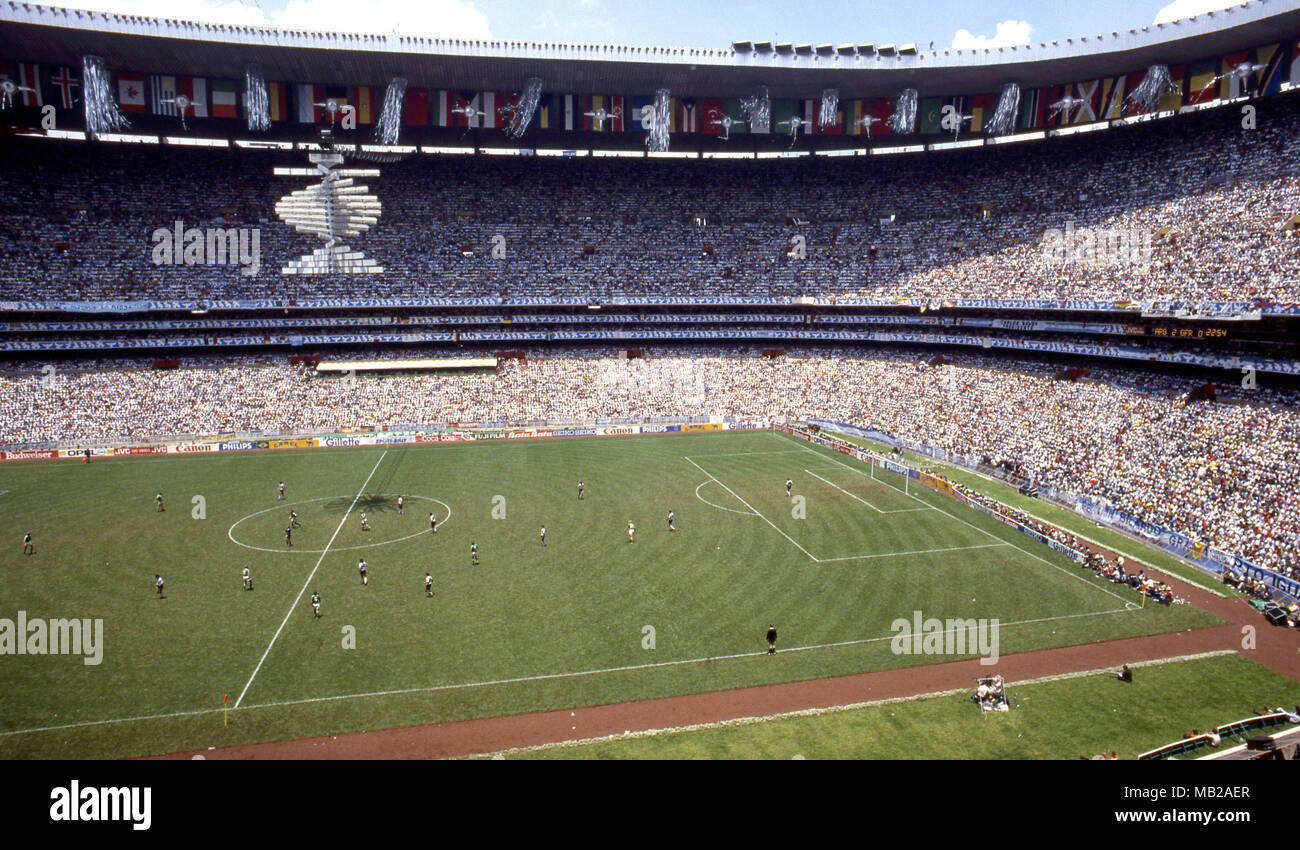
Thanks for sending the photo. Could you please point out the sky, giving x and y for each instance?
(960, 24)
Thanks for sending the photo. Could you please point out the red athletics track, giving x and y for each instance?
(1275, 647)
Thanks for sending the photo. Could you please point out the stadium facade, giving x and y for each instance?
(880, 195)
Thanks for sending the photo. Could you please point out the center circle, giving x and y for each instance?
(230, 533)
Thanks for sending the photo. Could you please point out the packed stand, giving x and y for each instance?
(76, 221)
(1224, 473)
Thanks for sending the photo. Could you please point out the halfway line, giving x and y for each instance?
(306, 583)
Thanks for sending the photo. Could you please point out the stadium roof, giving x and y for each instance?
(58, 36)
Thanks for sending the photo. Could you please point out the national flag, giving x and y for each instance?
(489, 103)
(569, 112)
(687, 114)
(708, 112)
(130, 92)
(26, 76)
(981, 111)
(882, 109)
(807, 111)
(641, 115)
(277, 98)
(1200, 82)
(447, 102)
(306, 96)
(162, 91)
(782, 111)
(735, 110)
(930, 115)
(1113, 90)
(417, 107)
(1231, 85)
(546, 114)
(852, 112)
(1271, 57)
(338, 94)
(961, 106)
(1052, 116)
(1090, 93)
(1031, 109)
(589, 103)
(451, 101)
(1131, 83)
(363, 98)
(225, 99)
(471, 100)
(196, 89)
(617, 110)
(556, 112)
(1172, 101)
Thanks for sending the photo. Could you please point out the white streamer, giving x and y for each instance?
(389, 128)
(102, 114)
(903, 121)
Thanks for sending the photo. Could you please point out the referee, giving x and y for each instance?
(771, 639)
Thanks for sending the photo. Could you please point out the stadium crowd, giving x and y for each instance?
(1219, 472)
(1210, 199)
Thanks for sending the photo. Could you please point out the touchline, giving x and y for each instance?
(60, 636)
(102, 804)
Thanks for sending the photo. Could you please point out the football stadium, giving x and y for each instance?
(389, 396)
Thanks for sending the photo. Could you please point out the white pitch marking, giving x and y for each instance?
(751, 507)
(230, 532)
(916, 552)
(1012, 545)
(525, 679)
(714, 505)
(865, 502)
(743, 454)
(1138, 558)
(845, 492)
(306, 583)
(522, 679)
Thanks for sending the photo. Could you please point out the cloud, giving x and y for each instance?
(434, 18)
(1187, 8)
(1009, 32)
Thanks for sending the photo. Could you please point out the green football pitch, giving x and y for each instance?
(588, 618)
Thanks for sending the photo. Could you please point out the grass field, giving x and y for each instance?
(1071, 718)
(1060, 517)
(530, 627)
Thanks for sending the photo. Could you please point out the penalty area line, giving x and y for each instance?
(752, 508)
(1006, 542)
